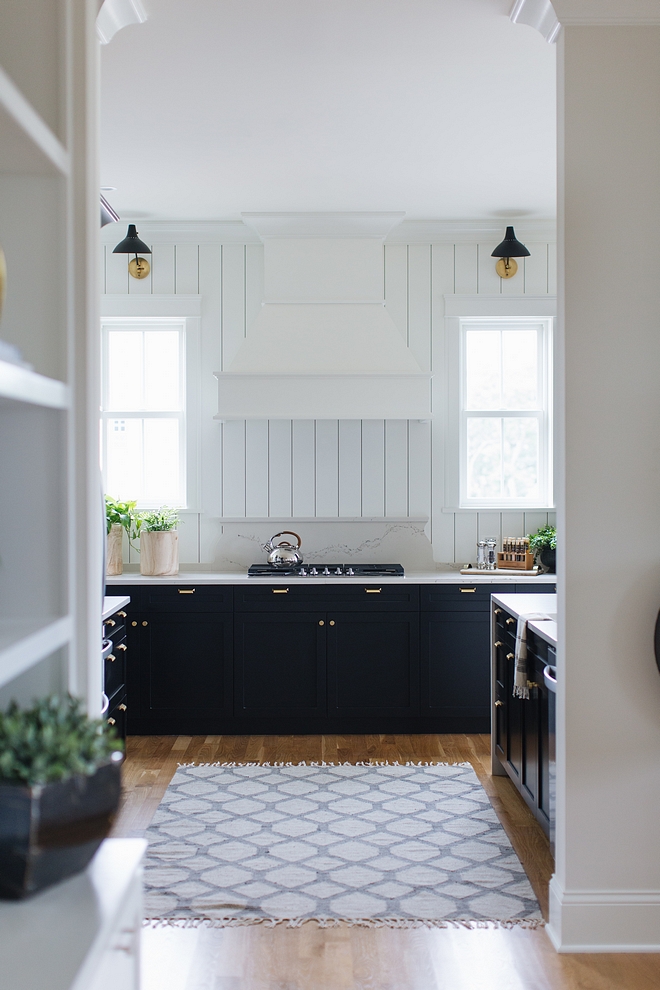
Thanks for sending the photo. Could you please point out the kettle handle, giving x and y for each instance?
(286, 532)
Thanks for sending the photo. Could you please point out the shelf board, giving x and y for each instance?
(20, 385)
(24, 642)
(27, 144)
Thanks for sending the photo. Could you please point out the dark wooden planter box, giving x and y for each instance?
(49, 832)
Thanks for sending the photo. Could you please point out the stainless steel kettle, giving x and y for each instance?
(284, 554)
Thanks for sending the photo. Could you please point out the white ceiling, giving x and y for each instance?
(440, 108)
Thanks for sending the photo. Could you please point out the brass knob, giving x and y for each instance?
(122, 646)
(497, 611)
(510, 656)
(509, 621)
(145, 623)
(111, 658)
(122, 707)
(110, 622)
(123, 614)
(533, 684)
(498, 704)
(134, 623)
(498, 643)
(321, 622)
(112, 721)
(332, 622)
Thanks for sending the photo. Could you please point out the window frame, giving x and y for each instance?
(188, 415)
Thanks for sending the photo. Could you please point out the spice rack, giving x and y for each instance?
(515, 555)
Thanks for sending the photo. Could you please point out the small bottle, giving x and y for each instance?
(481, 555)
(491, 555)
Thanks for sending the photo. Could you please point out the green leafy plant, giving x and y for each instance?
(161, 520)
(123, 514)
(51, 741)
(545, 538)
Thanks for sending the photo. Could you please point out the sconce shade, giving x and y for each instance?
(510, 247)
(132, 243)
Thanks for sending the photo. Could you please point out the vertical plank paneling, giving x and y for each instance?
(256, 467)
(488, 280)
(327, 467)
(350, 467)
(419, 303)
(536, 270)
(465, 537)
(210, 259)
(186, 271)
(552, 269)
(373, 467)
(188, 538)
(442, 283)
(489, 524)
(396, 467)
(233, 301)
(233, 468)
(534, 521)
(552, 519)
(116, 273)
(396, 286)
(304, 468)
(105, 248)
(162, 269)
(513, 524)
(419, 472)
(141, 286)
(465, 268)
(254, 282)
(279, 468)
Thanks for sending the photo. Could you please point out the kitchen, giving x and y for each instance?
(255, 480)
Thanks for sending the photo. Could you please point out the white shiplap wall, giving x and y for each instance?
(327, 468)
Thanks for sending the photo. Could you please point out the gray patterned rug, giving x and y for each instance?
(395, 845)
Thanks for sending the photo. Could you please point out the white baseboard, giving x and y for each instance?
(604, 920)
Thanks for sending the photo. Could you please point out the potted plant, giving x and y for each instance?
(159, 542)
(119, 516)
(544, 545)
(60, 783)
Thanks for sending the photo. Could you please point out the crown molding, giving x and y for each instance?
(185, 231)
(538, 14)
(470, 231)
(607, 13)
(372, 225)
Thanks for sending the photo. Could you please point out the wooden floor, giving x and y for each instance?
(309, 958)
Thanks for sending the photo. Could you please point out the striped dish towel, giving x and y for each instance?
(521, 679)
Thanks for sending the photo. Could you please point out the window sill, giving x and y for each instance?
(499, 508)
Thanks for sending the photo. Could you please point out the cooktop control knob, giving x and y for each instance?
(302, 572)
(313, 570)
(350, 571)
(326, 570)
(338, 571)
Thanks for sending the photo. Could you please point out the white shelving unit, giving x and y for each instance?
(50, 543)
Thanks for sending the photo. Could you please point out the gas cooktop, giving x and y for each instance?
(327, 570)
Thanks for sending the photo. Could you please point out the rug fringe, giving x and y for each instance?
(320, 922)
(322, 763)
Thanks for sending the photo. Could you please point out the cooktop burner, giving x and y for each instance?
(327, 570)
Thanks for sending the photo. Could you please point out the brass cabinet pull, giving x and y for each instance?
(510, 656)
(110, 622)
(145, 623)
(111, 657)
(373, 591)
(186, 591)
(321, 622)
(123, 614)
(509, 621)
(134, 623)
(533, 684)
(112, 721)
(332, 622)
(497, 611)
(122, 646)
(280, 591)
(498, 704)
(122, 708)
(467, 591)
(498, 643)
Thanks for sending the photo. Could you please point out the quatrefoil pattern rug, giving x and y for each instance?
(399, 845)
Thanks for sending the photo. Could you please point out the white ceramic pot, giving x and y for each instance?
(159, 553)
(114, 562)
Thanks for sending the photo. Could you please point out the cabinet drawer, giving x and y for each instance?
(542, 588)
(188, 598)
(459, 597)
(115, 668)
(116, 717)
(114, 627)
(347, 597)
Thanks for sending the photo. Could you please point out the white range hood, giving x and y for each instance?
(323, 345)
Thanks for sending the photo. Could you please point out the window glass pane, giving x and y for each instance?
(482, 356)
(484, 457)
(124, 459)
(520, 369)
(161, 370)
(161, 461)
(520, 440)
(124, 372)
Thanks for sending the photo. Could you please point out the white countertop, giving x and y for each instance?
(411, 577)
(546, 629)
(112, 604)
(518, 605)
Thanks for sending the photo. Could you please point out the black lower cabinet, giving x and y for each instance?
(456, 670)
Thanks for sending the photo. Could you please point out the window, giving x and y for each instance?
(144, 411)
(505, 427)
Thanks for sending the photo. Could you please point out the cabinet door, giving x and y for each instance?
(185, 663)
(514, 721)
(456, 663)
(373, 663)
(279, 663)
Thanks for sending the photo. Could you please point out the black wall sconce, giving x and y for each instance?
(509, 249)
(137, 267)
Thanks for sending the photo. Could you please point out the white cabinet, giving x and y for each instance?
(50, 545)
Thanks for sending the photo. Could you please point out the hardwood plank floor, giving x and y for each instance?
(309, 958)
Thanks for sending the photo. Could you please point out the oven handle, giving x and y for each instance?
(550, 678)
